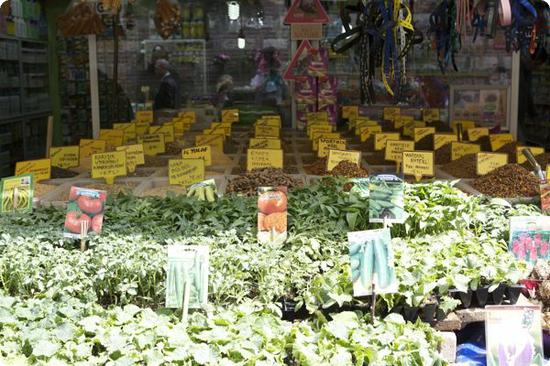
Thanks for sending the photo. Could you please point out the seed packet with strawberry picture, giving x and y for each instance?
(84, 209)
(272, 214)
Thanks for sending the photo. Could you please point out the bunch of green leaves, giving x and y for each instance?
(69, 332)
(350, 339)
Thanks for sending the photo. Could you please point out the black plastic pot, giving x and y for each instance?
(288, 308)
(482, 295)
(440, 315)
(427, 313)
(398, 309)
(410, 313)
(512, 293)
(497, 296)
(465, 298)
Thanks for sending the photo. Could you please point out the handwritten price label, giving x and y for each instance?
(41, 169)
(185, 172)
(487, 162)
(418, 164)
(264, 158)
(109, 165)
(65, 157)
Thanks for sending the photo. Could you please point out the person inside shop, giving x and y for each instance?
(167, 96)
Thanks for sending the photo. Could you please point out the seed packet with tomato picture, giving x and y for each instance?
(272, 214)
(85, 205)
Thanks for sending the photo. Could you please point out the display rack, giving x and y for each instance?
(24, 100)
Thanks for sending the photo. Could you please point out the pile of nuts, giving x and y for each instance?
(508, 181)
(268, 177)
(464, 167)
(349, 170)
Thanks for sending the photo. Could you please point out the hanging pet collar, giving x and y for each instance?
(384, 33)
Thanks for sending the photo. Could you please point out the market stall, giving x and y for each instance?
(272, 184)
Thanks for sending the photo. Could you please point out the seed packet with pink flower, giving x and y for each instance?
(530, 237)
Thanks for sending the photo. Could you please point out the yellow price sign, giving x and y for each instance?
(391, 112)
(271, 122)
(188, 117)
(395, 148)
(198, 152)
(129, 130)
(41, 169)
(466, 125)
(459, 149)
(350, 112)
(135, 155)
(421, 132)
(215, 141)
(264, 158)
(89, 147)
(166, 129)
(142, 128)
(442, 139)
(265, 143)
(499, 140)
(327, 144)
(318, 128)
(267, 131)
(475, 134)
(113, 137)
(337, 156)
(418, 164)
(185, 172)
(179, 128)
(534, 150)
(431, 115)
(369, 131)
(317, 135)
(144, 116)
(487, 162)
(317, 117)
(221, 127)
(65, 156)
(230, 115)
(380, 139)
(409, 126)
(109, 165)
(153, 144)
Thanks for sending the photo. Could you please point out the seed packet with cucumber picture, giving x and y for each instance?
(16, 193)
(187, 264)
(387, 202)
(372, 262)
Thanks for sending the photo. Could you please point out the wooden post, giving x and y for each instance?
(83, 234)
(49, 135)
(94, 87)
(186, 294)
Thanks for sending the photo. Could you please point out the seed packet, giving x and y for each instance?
(386, 199)
(84, 210)
(187, 264)
(16, 193)
(272, 214)
(372, 262)
(530, 237)
(514, 335)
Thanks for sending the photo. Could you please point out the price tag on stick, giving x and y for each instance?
(418, 164)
